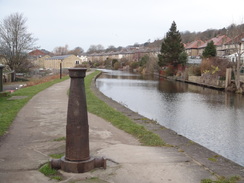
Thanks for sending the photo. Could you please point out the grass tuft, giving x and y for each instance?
(49, 172)
(59, 139)
(57, 156)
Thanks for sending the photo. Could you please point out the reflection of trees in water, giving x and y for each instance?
(171, 88)
(211, 96)
(234, 100)
(167, 86)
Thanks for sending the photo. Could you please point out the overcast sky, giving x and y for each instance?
(118, 23)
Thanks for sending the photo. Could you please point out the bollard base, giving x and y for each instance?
(78, 166)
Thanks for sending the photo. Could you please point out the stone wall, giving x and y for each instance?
(207, 81)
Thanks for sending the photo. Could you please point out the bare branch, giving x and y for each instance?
(15, 41)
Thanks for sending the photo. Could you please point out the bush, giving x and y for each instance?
(134, 65)
(116, 65)
(215, 67)
(170, 71)
(194, 70)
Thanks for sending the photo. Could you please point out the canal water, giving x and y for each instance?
(212, 118)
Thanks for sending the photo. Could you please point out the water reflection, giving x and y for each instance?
(209, 117)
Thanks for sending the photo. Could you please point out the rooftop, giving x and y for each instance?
(60, 57)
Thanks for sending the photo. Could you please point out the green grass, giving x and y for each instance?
(103, 110)
(233, 179)
(49, 172)
(57, 156)
(10, 108)
(60, 139)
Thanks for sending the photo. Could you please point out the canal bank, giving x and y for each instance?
(216, 84)
(39, 132)
(204, 157)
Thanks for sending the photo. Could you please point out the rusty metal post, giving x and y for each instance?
(77, 157)
(77, 139)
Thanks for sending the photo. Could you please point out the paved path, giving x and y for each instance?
(30, 141)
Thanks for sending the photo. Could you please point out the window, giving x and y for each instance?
(77, 62)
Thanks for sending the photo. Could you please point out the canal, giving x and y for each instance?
(212, 118)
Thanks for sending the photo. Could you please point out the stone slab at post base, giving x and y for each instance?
(78, 166)
(77, 155)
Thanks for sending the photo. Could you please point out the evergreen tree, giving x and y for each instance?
(209, 50)
(171, 47)
(183, 58)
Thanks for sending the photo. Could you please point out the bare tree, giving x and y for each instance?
(92, 49)
(237, 35)
(100, 48)
(95, 48)
(152, 65)
(111, 48)
(15, 42)
(61, 50)
(77, 51)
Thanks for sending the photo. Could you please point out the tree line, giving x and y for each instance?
(188, 36)
(16, 42)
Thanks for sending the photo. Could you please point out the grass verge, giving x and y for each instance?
(233, 179)
(10, 108)
(103, 110)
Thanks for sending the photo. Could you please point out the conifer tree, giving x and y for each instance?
(209, 50)
(171, 47)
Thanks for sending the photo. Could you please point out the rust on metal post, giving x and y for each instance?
(77, 139)
(77, 156)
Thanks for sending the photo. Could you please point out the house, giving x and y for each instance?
(67, 61)
(129, 53)
(232, 45)
(192, 48)
(219, 42)
(37, 53)
(39, 62)
(83, 57)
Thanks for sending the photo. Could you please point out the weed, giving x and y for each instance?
(212, 159)
(49, 172)
(60, 139)
(57, 156)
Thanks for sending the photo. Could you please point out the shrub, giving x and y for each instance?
(194, 70)
(215, 66)
(116, 65)
(170, 71)
(134, 65)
